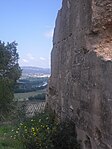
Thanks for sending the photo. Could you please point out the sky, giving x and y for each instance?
(30, 23)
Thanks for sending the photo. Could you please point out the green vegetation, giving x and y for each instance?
(36, 133)
(30, 88)
(6, 141)
(30, 84)
(44, 132)
(9, 74)
(65, 136)
(38, 97)
(23, 96)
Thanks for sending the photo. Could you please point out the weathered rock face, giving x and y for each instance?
(80, 86)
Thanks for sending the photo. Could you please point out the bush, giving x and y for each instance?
(37, 97)
(6, 140)
(36, 133)
(65, 136)
(44, 132)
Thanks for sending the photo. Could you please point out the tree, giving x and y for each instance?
(9, 73)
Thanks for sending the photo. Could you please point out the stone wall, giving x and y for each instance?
(80, 86)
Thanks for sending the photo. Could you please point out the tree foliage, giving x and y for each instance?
(9, 73)
(38, 97)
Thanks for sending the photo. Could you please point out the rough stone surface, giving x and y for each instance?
(80, 86)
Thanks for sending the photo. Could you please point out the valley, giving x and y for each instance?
(32, 84)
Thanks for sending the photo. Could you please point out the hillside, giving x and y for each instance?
(34, 71)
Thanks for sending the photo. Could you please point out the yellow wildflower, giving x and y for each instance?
(33, 129)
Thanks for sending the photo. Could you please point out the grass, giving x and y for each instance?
(6, 142)
(22, 96)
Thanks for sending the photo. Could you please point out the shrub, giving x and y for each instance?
(37, 97)
(65, 136)
(44, 132)
(6, 140)
(36, 133)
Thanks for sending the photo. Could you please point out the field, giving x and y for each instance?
(24, 96)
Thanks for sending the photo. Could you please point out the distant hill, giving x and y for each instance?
(34, 70)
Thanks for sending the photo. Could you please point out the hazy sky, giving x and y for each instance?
(30, 23)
